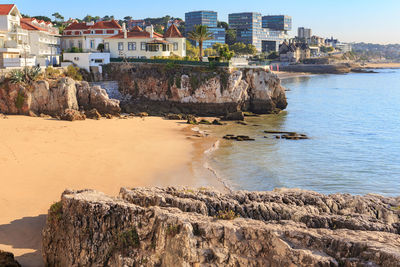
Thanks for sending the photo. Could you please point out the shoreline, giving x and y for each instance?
(40, 158)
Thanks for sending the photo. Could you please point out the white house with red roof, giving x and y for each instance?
(44, 41)
(87, 36)
(139, 43)
(14, 40)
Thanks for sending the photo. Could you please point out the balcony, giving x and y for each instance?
(19, 62)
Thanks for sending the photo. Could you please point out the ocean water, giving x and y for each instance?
(353, 121)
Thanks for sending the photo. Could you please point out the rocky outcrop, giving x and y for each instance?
(187, 227)
(96, 97)
(54, 99)
(72, 115)
(7, 260)
(160, 88)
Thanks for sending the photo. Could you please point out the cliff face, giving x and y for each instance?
(198, 90)
(184, 227)
(53, 99)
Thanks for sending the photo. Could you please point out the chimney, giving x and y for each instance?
(124, 30)
(150, 29)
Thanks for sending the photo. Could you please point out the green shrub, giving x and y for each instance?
(55, 212)
(129, 239)
(17, 76)
(74, 73)
(52, 72)
(19, 101)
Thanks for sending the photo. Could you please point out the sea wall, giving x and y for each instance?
(53, 97)
(202, 227)
(165, 88)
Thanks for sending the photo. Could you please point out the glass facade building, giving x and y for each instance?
(249, 30)
(277, 23)
(209, 19)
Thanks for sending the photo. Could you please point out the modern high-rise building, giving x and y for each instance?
(249, 30)
(209, 19)
(304, 33)
(277, 23)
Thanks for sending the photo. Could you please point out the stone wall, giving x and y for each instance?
(164, 88)
(202, 227)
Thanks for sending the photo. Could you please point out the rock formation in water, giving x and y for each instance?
(164, 88)
(186, 227)
(65, 94)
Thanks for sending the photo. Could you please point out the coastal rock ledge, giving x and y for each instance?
(203, 227)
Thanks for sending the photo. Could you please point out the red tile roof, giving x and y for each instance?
(173, 32)
(136, 34)
(27, 25)
(136, 29)
(5, 9)
(98, 25)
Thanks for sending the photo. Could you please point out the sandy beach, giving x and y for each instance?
(289, 75)
(382, 65)
(40, 158)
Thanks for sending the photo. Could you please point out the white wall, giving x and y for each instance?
(87, 60)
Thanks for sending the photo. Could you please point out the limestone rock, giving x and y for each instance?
(93, 114)
(72, 115)
(234, 116)
(7, 260)
(96, 97)
(184, 227)
(197, 90)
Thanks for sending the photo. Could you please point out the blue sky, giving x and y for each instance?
(376, 21)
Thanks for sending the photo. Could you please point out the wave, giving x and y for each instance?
(208, 153)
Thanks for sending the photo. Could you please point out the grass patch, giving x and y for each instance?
(226, 215)
(172, 230)
(19, 101)
(128, 239)
(55, 212)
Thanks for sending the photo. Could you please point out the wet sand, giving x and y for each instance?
(40, 158)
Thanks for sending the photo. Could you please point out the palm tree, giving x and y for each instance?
(200, 34)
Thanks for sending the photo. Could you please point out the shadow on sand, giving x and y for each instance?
(26, 234)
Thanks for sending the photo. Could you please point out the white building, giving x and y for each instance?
(139, 43)
(44, 41)
(88, 60)
(14, 40)
(87, 36)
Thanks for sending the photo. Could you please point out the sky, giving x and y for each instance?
(374, 21)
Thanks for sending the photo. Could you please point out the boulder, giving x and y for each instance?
(7, 260)
(72, 115)
(192, 120)
(234, 116)
(171, 116)
(203, 227)
(93, 114)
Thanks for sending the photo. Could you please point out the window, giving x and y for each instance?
(71, 44)
(175, 46)
(143, 46)
(120, 46)
(80, 44)
(92, 44)
(106, 47)
(98, 61)
(132, 46)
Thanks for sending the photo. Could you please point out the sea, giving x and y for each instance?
(353, 122)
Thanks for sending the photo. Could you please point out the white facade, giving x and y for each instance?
(87, 60)
(14, 41)
(146, 44)
(87, 36)
(44, 41)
